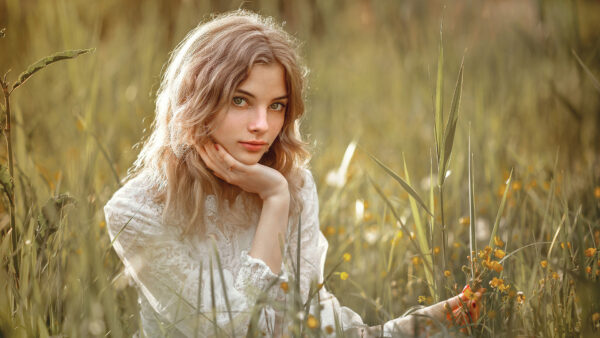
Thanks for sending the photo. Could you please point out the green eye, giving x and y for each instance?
(238, 101)
(277, 106)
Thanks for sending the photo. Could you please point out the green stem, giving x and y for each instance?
(444, 234)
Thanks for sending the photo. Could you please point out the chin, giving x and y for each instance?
(248, 159)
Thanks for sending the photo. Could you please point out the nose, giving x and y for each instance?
(258, 122)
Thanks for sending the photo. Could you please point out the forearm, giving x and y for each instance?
(271, 225)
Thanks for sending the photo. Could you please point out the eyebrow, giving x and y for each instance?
(252, 96)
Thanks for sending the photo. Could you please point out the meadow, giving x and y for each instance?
(516, 208)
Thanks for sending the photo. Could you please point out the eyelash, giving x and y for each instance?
(243, 100)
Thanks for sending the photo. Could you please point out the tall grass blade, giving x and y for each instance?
(220, 267)
(421, 232)
(212, 298)
(402, 225)
(403, 183)
(42, 63)
(439, 88)
(500, 210)
(472, 240)
(593, 78)
(450, 129)
(555, 237)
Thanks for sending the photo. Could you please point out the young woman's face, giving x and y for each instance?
(249, 124)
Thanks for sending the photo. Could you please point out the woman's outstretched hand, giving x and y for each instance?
(255, 178)
(467, 307)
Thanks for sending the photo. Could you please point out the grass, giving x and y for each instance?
(523, 189)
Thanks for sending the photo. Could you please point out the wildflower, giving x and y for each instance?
(347, 257)
(456, 245)
(416, 260)
(517, 185)
(496, 282)
(590, 252)
(511, 293)
(596, 317)
(464, 220)
(102, 224)
(422, 299)
(344, 275)
(485, 253)
(555, 275)
(468, 293)
(284, 286)
(368, 216)
(329, 231)
(496, 266)
(498, 242)
(520, 297)
(597, 192)
(447, 273)
(588, 269)
(499, 253)
(312, 322)
(329, 329)
(562, 245)
(544, 263)
(436, 250)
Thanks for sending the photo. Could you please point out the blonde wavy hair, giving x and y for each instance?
(200, 78)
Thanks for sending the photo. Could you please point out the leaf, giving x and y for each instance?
(41, 64)
(450, 129)
(500, 210)
(403, 183)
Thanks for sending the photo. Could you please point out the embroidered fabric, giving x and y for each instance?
(179, 280)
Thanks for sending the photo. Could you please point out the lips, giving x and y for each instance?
(253, 146)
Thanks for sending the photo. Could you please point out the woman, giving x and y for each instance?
(207, 224)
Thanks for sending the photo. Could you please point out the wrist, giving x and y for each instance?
(279, 192)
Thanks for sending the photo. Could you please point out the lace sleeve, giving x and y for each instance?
(177, 286)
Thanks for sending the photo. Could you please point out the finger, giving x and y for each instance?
(231, 162)
(219, 164)
(209, 162)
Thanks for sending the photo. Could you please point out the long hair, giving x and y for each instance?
(200, 78)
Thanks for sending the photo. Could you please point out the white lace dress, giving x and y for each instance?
(173, 276)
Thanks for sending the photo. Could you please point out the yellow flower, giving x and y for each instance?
(284, 286)
(424, 300)
(555, 275)
(588, 269)
(496, 266)
(496, 282)
(590, 252)
(347, 257)
(544, 263)
(499, 253)
(562, 245)
(596, 317)
(102, 224)
(464, 220)
(329, 231)
(456, 244)
(416, 260)
(498, 242)
(447, 273)
(344, 275)
(597, 192)
(436, 250)
(312, 322)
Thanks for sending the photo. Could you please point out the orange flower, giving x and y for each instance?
(499, 253)
(284, 286)
(447, 273)
(588, 269)
(496, 266)
(590, 252)
(597, 192)
(498, 242)
(544, 263)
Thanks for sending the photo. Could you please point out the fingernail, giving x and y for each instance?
(216, 146)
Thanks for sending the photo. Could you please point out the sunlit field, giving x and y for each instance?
(430, 175)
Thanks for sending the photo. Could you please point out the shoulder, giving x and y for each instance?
(135, 199)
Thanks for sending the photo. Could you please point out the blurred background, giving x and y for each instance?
(530, 103)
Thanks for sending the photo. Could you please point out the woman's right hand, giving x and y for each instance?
(255, 178)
